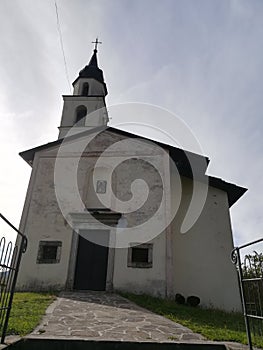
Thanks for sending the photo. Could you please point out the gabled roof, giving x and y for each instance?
(179, 156)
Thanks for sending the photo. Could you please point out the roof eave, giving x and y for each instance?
(233, 191)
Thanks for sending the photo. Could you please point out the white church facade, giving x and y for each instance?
(83, 233)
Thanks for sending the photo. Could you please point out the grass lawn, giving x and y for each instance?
(212, 324)
(29, 308)
(27, 311)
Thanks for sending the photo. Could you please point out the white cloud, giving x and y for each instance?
(202, 60)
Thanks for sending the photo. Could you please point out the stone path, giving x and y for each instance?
(103, 316)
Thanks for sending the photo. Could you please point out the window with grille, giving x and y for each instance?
(140, 256)
(49, 252)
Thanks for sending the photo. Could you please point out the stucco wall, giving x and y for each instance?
(151, 280)
(142, 280)
(195, 263)
(96, 113)
(201, 256)
(95, 87)
(42, 220)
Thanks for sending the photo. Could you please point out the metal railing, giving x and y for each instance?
(10, 257)
(250, 274)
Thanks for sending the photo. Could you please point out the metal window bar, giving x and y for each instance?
(250, 275)
(10, 257)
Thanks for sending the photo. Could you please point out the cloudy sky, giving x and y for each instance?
(200, 59)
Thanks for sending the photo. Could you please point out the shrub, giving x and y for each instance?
(193, 300)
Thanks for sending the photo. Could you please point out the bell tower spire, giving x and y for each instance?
(89, 92)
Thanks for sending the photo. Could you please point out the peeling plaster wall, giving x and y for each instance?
(42, 220)
(195, 263)
(137, 279)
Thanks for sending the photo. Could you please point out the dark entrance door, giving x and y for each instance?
(92, 260)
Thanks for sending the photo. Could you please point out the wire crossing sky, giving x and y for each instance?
(62, 46)
(202, 60)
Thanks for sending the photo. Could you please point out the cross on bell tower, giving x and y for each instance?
(88, 97)
(96, 42)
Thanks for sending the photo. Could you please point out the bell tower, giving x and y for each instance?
(89, 92)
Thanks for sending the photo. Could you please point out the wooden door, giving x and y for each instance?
(92, 261)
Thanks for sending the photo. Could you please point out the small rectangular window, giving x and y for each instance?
(49, 252)
(140, 256)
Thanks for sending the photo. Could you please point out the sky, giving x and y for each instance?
(200, 59)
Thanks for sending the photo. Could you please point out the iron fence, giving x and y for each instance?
(10, 256)
(250, 273)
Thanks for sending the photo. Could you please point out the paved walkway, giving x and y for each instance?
(105, 316)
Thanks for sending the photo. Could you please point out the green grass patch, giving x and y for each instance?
(27, 311)
(213, 324)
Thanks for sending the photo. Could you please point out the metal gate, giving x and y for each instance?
(12, 245)
(250, 273)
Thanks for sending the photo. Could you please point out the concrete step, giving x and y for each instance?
(77, 344)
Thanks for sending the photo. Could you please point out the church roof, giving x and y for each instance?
(179, 156)
(92, 70)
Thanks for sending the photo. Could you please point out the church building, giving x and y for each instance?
(105, 208)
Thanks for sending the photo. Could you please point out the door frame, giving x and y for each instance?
(85, 221)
